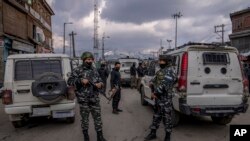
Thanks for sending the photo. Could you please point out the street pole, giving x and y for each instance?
(70, 45)
(176, 16)
(73, 43)
(169, 43)
(64, 28)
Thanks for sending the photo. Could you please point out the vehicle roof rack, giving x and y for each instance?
(213, 44)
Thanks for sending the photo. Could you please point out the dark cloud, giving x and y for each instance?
(140, 11)
(197, 23)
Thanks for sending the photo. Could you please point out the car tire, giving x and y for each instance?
(143, 102)
(18, 124)
(175, 118)
(70, 119)
(222, 120)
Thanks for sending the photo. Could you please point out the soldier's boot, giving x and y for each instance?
(85, 135)
(167, 136)
(151, 135)
(115, 112)
(100, 136)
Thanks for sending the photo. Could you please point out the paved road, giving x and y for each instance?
(131, 125)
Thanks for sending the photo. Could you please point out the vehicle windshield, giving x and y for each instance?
(31, 69)
(127, 64)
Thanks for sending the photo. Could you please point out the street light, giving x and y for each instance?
(103, 38)
(169, 43)
(64, 26)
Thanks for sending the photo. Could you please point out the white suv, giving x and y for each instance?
(35, 85)
(210, 82)
(126, 63)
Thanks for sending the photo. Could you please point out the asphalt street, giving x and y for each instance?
(131, 125)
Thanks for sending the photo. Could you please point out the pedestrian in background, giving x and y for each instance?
(104, 73)
(133, 76)
(140, 73)
(115, 83)
(87, 81)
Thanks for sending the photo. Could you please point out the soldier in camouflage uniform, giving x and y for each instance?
(86, 80)
(162, 86)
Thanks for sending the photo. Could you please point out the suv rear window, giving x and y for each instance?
(215, 58)
(31, 69)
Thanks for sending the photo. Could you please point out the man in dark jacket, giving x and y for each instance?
(115, 82)
(140, 73)
(104, 73)
(87, 81)
(133, 76)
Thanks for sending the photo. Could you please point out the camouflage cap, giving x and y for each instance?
(86, 55)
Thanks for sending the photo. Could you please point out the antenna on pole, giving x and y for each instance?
(176, 16)
(96, 41)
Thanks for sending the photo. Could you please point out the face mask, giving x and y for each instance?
(89, 64)
(162, 66)
(117, 68)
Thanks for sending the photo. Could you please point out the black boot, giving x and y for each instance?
(151, 135)
(100, 136)
(167, 137)
(86, 135)
(115, 112)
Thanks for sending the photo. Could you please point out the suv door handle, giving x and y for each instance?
(236, 79)
(195, 83)
(23, 91)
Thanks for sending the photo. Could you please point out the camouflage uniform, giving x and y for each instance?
(163, 84)
(87, 96)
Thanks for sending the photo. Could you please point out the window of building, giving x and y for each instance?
(237, 24)
(247, 21)
(34, 32)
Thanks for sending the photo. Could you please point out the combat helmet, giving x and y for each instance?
(86, 55)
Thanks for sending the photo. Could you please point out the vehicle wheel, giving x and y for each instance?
(70, 119)
(18, 124)
(175, 118)
(222, 120)
(143, 102)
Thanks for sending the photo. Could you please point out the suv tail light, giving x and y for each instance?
(7, 97)
(71, 93)
(182, 83)
(244, 79)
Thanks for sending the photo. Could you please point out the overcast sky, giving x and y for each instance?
(139, 25)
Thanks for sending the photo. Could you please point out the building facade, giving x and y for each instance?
(240, 37)
(25, 27)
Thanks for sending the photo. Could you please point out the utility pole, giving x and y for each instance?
(221, 29)
(73, 42)
(169, 43)
(176, 16)
(70, 45)
(96, 41)
(64, 28)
